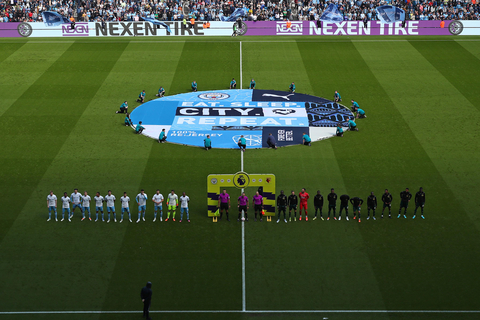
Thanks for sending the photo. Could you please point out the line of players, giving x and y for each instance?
(83, 203)
(292, 202)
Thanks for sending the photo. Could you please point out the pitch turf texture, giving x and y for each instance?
(59, 131)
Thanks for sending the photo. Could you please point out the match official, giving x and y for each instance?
(242, 206)
(224, 203)
(258, 205)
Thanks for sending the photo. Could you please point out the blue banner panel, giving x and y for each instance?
(271, 95)
(157, 112)
(220, 138)
(284, 136)
(206, 123)
(220, 112)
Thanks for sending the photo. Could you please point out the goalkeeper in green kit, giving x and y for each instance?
(172, 204)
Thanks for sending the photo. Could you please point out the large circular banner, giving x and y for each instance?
(226, 115)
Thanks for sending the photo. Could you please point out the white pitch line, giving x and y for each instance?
(241, 311)
(241, 72)
(244, 302)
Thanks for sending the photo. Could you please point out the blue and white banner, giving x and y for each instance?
(331, 14)
(239, 12)
(226, 115)
(390, 14)
(158, 23)
(53, 19)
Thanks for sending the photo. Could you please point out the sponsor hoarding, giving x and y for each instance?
(249, 28)
(358, 28)
(114, 29)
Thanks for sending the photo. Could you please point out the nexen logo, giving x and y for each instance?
(80, 29)
(228, 112)
(295, 28)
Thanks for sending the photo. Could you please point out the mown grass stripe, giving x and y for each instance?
(37, 126)
(421, 128)
(458, 65)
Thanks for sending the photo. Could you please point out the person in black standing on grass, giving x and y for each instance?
(371, 205)
(146, 296)
(332, 203)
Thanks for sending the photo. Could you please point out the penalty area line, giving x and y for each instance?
(240, 311)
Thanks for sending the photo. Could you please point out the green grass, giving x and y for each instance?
(60, 132)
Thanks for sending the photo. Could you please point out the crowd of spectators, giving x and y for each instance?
(212, 10)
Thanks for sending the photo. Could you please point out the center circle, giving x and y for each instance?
(227, 115)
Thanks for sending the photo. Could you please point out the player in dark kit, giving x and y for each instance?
(371, 205)
(292, 204)
(405, 197)
(387, 202)
(343, 205)
(332, 203)
(318, 204)
(282, 202)
(357, 203)
(419, 202)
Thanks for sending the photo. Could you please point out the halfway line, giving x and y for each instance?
(241, 72)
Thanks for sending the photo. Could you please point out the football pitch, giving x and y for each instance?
(60, 132)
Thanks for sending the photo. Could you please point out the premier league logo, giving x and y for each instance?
(226, 115)
(241, 180)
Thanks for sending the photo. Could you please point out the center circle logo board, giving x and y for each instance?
(226, 115)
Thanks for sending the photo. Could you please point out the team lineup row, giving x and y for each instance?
(83, 203)
(292, 203)
(224, 204)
